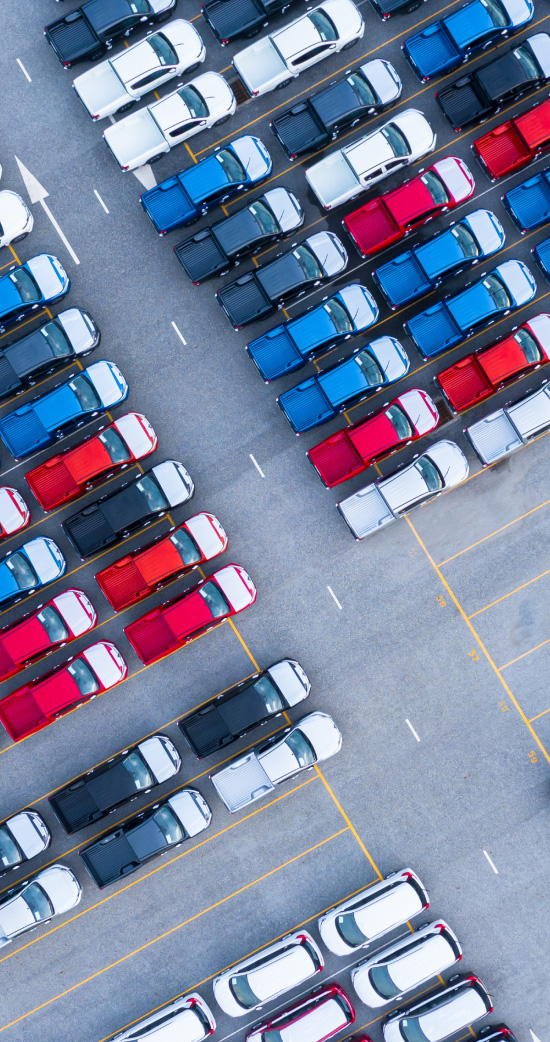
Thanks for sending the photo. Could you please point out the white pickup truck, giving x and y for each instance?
(144, 136)
(442, 467)
(298, 748)
(117, 84)
(502, 432)
(277, 59)
(345, 173)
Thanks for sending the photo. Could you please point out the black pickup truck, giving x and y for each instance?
(246, 705)
(386, 8)
(319, 119)
(145, 836)
(521, 69)
(133, 505)
(214, 250)
(229, 19)
(119, 780)
(88, 32)
(259, 292)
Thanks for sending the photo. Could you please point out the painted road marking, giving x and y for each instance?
(145, 176)
(257, 465)
(38, 194)
(334, 597)
(408, 722)
(100, 200)
(491, 862)
(181, 336)
(23, 69)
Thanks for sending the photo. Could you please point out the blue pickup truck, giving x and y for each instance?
(182, 199)
(415, 272)
(288, 347)
(367, 370)
(444, 45)
(529, 203)
(491, 296)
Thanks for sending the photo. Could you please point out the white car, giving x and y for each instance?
(22, 837)
(277, 59)
(187, 1019)
(381, 907)
(117, 83)
(449, 1010)
(51, 892)
(352, 169)
(16, 220)
(410, 962)
(14, 512)
(263, 977)
(145, 136)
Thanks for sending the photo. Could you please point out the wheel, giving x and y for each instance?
(351, 43)
(155, 159)
(127, 107)
(219, 122)
(19, 238)
(281, 86)
(193, 68)
(255, 32)
(96, 56)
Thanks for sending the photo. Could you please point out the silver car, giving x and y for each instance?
(370, 914)
(406, 964)
(268, 974)
(450, 1009)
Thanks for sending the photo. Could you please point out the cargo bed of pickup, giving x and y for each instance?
(275, 353)
(431, 51)
(299, 130)
(229, 19)
(75, 808)
(464, 384)
(201, 256)
(365, 512)
(73, 38)
(20, 714)
(168, 206)
(241, 782)
(89, 531)
(205, 731)
(52, 482)
(372, 227)
(529, 203)
(335, 459)
(305, 405)
(244, 300)
(122, 583)
(493, 437)
(151, 637)
(401, 279)
(110, 859)
(433, 330)
(461, 102)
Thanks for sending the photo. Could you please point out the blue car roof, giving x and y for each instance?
(202, 180)
(9, 296)
(440, 254)
(8, 585)
(343, 381)
(57, 407)
(311, 330)
(469, 307)
(469, 24)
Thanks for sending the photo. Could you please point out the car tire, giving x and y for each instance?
(192, 68)
(281, 86)
(349, 44)
(155, 159)
(129, 105)
(218, 123)
(19, 238)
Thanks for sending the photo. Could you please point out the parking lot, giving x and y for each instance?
(428, 643)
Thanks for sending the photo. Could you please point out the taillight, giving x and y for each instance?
(225, 42)
(66, 65)
(163, 232)
(125, 167)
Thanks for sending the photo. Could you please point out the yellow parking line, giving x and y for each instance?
(245, 646)
(13, 253)
(525, 654)
(510, 594)
(348, 822)
(193, 157)
(496, 532)
(538, 716)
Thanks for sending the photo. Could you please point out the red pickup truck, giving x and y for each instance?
(391, 216)
(515, 143)
(352, 449)
(484, 372)
(140, 573)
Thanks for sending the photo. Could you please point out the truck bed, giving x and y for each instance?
(258, 64)
(335, 459)
(72, 38)
(89, 531)
(244, 300)
(205, 731)
(332, 179)
(74, 808)
(122, 583)
(229, 19)
(110, 859)
(52, 483)
(241, 782)
(135, 136)
(100, 88)
(299, 130)
(18, 431)
(529, 203)
(431, 51)
(461, 102)
(401, 279)
(151, 638)
(201, 257)
(20, 714)
(168, 205)
(305, 406)
(464, 384)
(541, 254)
(493, 437)
(433, 330)
(275, 354)
(372, 227)
(365, 512)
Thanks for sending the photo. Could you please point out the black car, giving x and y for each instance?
(119, 780)
(214, 250)
(244, 706)
(386, 8)
(87, 32)
(313, 123)
(166, 825)
(71, 334)
(133, 505)
(495, 1033)
(229, 19)
(472, 98)
(290, 274)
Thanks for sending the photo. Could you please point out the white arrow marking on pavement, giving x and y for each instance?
(533, 1036)
(145, 176)
(38, 194)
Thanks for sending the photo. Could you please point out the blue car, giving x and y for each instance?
(444, 45)
(493, 295)
(367, 370)
(182, 199)
(529, 203)
(33, 565)
(43, 420)
(289, 346)
(42, 280)
(416, 271)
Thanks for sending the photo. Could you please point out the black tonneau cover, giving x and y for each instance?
(244, 300)
(218, 724)
(201, 256)
(9, 380)
(26, 354)
(463, 102)
(89, 530)
(299, 129)
(232, 18)
(123, 850)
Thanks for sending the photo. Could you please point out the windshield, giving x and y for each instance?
(156, 500)
(339, 316)
(465, 240)
(435, 187)
(22, 571)
(53, 624)
(264, 217)
(38, 903)
(411, 1030)
(527, 62)
(232, 167)
(169, 825)
(215, 599)
(349, 930)
(430, 473)
(303, 751)
(396, 140)
(25, 286)
(382, 982)
(113, 443)
(269, 695)
(497, 291)
(529, 346)
(243, 993)
(83, 677)
(361, 89)
(323, 24)
(496, 12)
(194, 102)
(400, 422)
(9, 851)
(56, 340)
(163, 49)
(272, 1036)
(138, 771)
(85, 393)
(186, 547)
(370, 368)
(308, 262)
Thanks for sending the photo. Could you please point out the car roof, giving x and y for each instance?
(388, 909)
(282, 972)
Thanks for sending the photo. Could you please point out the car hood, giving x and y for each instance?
(322, 733)
(138, 433)
(420, 409)
(13, 510)
(28, 836)
(540, 328)
(14, 213)
(487, 229)
(519, 280)
(208, 534)
(77, 611)
(456, 177)
(360, 304)
(237, 586)
(174, 481)
(155, 754)
(329, 251)
(291, 680)
(109, 382)
(49, 275)
(191, 809)
(286, 208)
(61, 886)
(450, 462)
(391, 357)
(81, 330)
(184, 38)
(383, 78)
(107, 663)
(253, 155)
(540, 46)
(46, 558)
(416, 129)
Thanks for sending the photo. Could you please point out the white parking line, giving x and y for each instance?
(257, 465)
(23, 69)
(100, 200)
(182, 338)
(492, 864)
(334, 597)
(112, 119)
(408, 722)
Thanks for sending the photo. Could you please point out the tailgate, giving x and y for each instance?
(275, 354)
(365, 512)
(241, 782)
(71, 37)
(20, 714)
(335, 459)
(464, 384)
(431, 51)
(461, 103)
(229, 18)
(493, 438)
(200, 256)
(372, 227)
(529, 203)
(74, 808)
(298, 130)
(541, 254)
(52, 483)
(501, 150)
(151, 638)
(9, 380)
(244, 300)
(401, 279)
(433, 330)
(89, 531)
(23, 433)
(110, 859)
(168, 205)
(305, 406)
(332, 180)
(258, 64)
(122, 583)
(205, 731)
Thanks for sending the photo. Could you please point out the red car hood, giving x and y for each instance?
(28, 639)
(56, 692)
(159, 562)
(374, 437)
(409, 203)
(188, 615)
(503, 360)
(88, 460)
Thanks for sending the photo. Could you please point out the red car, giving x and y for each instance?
(176, 622)
(513, 144)
(353, 449)
(318, 1016)
(484, 372)
(140, 573)
(44, 630)
(14, 512)
(79, 679)
(391, 216)
(79, 468)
